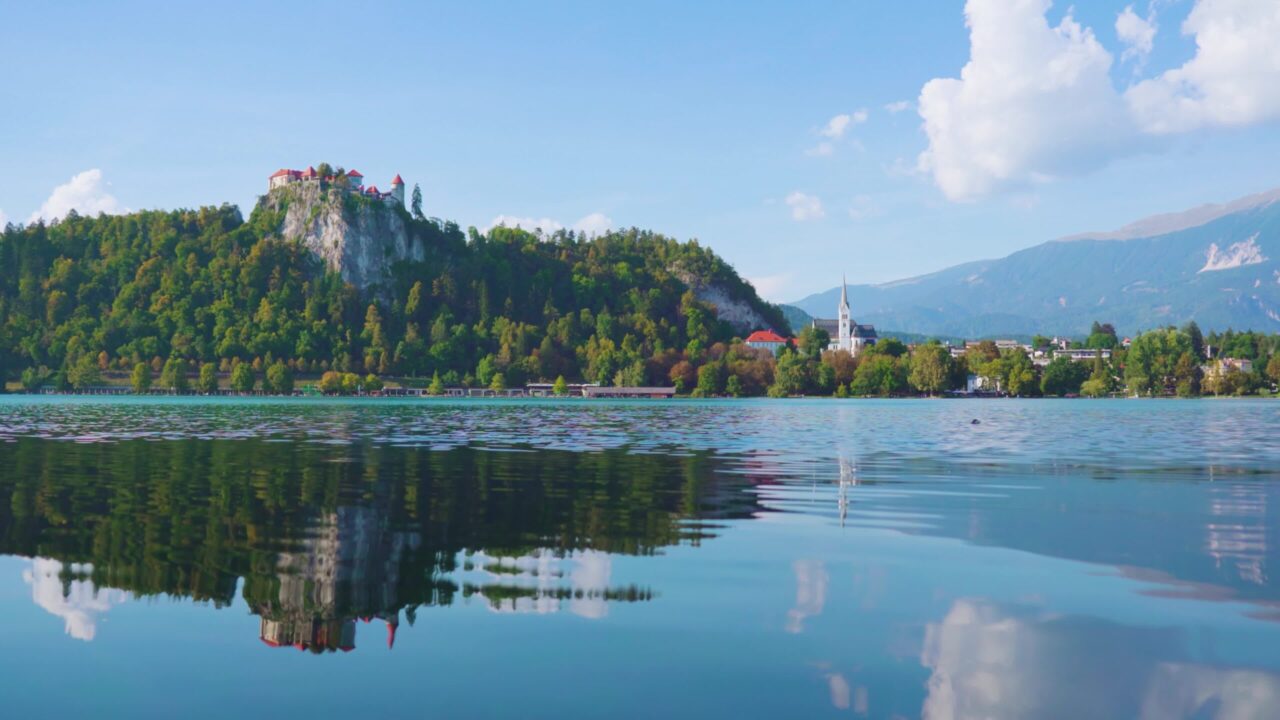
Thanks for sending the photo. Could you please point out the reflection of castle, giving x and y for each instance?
(320, 546)
(348, 568)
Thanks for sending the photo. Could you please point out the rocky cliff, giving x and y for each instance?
(356, 236)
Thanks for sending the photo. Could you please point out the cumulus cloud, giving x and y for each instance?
(770, 287)
(78, 603)
(835, 130)
(528, 224)
(86, 193)
(594, 224)
(864, 207)
(805, 207)
(1137, 33)
(836, 126)
(822, 149)
(1233, 79)
(894, 108)
(1033, 103)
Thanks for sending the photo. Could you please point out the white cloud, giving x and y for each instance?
(528, 224)
(78, 603)
(1233, 80)
(770, 287)
(1137, 33)
(1033, 103)
(86, 193)
(594, 224)
(805, 207)
(822, 149)
(836, 126)
(864, 207)
(894, 108)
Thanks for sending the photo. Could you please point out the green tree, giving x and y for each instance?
(930, 368)
(497, 382)
(34, 378)
(140, 379)
(560, 386)
(1273, 368)
(84, 373)
(208, 380)
(415, 204)
(710, 380)
(791, 375)
(1063, 376)
(174, 375)
(880, 375)
(242, 378)
(279, 379)
(733, 386)
(331, 383)
(372, 383)
(437, 385)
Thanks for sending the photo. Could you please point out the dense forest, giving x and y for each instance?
(201, 300)
(202, 293)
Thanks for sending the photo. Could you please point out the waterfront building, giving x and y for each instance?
(767, 340)
(846, 334)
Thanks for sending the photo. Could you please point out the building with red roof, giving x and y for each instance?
(766, 339)
(354, 183)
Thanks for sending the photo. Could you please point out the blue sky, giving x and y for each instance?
(716, 121)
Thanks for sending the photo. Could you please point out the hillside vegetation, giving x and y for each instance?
(147, 290)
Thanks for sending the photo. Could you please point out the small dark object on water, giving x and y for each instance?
(975, 421)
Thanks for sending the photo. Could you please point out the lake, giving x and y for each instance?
(193, 557)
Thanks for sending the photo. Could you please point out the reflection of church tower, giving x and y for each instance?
(846, 332)
(348, 568)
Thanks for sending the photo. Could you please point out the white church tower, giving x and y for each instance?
(845, 330)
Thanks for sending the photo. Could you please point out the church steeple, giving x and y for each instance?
(844, 327)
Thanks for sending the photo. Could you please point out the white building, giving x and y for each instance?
(845, 333)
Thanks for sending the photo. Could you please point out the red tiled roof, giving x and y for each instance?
(282, 172)
(373, 190)
(765, 336)
(397, 181)
(353, 173)
(309, 172)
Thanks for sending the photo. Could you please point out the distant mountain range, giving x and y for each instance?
(1216, 264)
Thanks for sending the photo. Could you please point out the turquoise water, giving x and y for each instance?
(1074, 559)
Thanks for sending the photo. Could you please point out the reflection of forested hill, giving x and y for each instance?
(324, 535)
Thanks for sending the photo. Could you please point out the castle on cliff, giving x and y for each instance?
(352, 182)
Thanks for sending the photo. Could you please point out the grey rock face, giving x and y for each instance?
(735, 311)
(358, 237)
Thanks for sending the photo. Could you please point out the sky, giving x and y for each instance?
(801, 141)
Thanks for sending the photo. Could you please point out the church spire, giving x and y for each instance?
(844, 292)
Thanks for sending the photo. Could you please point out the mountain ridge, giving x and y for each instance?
(1215, 264)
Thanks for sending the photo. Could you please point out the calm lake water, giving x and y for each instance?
(227, 558)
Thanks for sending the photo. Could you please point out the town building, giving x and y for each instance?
(353, 183)
(844, 332)
(767, 340)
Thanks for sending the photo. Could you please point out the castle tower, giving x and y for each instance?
(397, 189)
(845, 324)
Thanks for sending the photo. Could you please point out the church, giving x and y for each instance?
(845, 333)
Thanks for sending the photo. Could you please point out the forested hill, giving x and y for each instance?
(206, 286)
